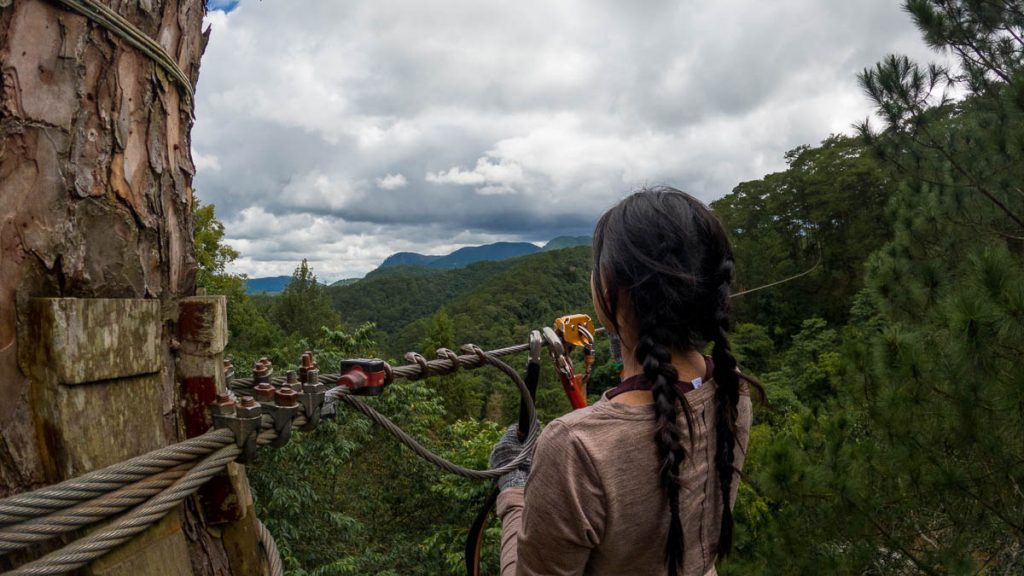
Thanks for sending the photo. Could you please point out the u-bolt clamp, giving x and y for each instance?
(242, 419)
(283, 408)
(312, 399)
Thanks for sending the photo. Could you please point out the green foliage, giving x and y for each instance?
(304, 306)
(385, 511)
(829, 205)
(384, 297)
(892, 439)
(752, 346)
(250, 332)
(910, 459)
(212, 255)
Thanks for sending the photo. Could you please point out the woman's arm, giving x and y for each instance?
(551, 527)
(510, 510)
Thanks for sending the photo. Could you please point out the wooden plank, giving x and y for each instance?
(81, 340)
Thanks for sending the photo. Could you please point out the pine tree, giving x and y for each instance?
(917, 466)
(304, 306)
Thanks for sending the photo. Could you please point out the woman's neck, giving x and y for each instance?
(689, 364)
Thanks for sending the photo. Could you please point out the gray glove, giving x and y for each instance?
(505, 451)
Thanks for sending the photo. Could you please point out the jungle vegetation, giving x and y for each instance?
(892, 437)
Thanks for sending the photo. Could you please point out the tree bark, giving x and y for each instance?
(95, 192)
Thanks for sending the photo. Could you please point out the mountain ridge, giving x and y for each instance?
(463, 256)
(404, 263)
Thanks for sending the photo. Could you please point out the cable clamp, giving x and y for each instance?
(282, 410)
(243, 419)
(312, 399)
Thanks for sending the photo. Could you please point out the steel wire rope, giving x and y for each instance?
(86, 549)
(43, 528)
(341, 393)
(270, 548)
(46, 527)
(20, 507)
(121, 27)
(784, 280)
(436, 367)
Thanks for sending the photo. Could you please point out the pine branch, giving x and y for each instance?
(963, 171)
(892, 539)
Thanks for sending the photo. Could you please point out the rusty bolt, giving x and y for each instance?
(307, 360)
(261, 371)
(293, 380)
(264, 392)
(224, 405)
(248, 407)
(286, 397)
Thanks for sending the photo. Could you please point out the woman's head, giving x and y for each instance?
(668, 256)
(662, 273)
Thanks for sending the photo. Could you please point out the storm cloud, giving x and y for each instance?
(345, 131)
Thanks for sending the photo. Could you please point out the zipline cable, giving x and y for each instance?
(784, 280)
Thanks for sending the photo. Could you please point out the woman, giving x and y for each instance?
(643, 481)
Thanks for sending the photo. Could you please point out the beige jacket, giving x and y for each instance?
(593, 505)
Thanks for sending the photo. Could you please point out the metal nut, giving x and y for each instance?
(248, 407)
(264, 392)
(224, 405)
(286, 397)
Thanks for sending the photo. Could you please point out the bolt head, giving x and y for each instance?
(224, 405)
(292, 376)
(248, 407)
(264, 392)
(286, 397)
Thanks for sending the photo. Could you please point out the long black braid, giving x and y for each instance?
(669, 256)
(727, 397)
(658, 368)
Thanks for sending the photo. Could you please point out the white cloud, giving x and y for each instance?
(205, 162)
(526, 119)
(490, 178)
(392, 182)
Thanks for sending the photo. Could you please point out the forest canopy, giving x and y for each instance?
(892, 437)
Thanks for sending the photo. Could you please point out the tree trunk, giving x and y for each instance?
(95, 201)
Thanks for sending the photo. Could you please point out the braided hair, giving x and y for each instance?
(669, 256)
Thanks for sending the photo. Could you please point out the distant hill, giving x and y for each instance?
(562, 242)
(408, 259)
(271, 285)
(463, 256)
(406, 264)
(491, 301)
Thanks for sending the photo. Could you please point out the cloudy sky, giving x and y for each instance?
(344, 131)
